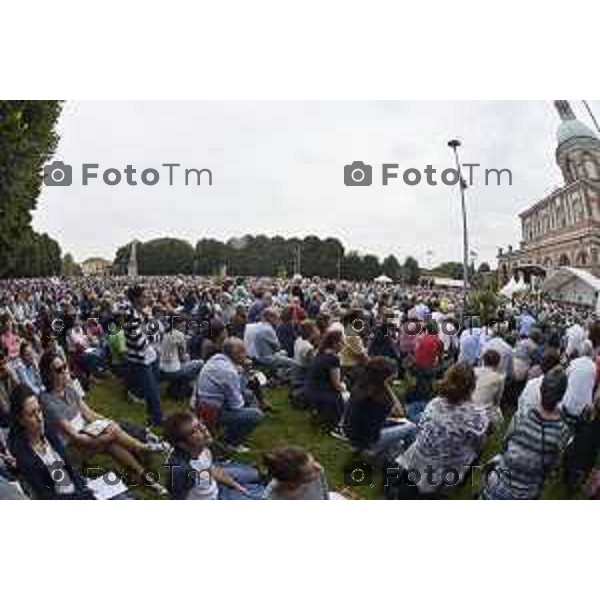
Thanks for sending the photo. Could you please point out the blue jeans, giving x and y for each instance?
(415, 409)
(245, 475)
(143, 381)
(394, 436)
(239, 423)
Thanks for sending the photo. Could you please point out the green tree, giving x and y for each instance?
(210, 256)
(352, 266)
(451, 269)
(371, 267)
(411, 270)
(27, 141)
(165, 256)
(69, 268)
(391, 267)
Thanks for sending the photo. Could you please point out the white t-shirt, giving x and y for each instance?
(576, 336)
(580, 388)
(250, 338)
(206, 486)
(56, 467)
(530, 396)
(302, 348)
(171, 350)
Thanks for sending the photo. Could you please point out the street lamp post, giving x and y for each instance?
(454, 144)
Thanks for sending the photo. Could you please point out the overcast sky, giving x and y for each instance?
(278, 169)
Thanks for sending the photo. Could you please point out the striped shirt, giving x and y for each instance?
(139, 338)
(532, 447)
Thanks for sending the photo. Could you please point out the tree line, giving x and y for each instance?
(27, 141)
(263, 256)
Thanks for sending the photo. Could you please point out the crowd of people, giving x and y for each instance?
(400, 374)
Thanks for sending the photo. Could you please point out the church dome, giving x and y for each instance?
(572, 128)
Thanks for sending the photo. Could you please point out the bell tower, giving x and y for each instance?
(578, 151)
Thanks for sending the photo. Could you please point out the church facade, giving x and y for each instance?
(563, 229)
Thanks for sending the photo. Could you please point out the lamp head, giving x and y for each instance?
(454, 144)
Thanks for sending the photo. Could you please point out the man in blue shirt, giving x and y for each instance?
(526, 322)
(222, 385)
(266, 346)
(27, 370)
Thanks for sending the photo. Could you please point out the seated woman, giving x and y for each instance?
(324, 384)
(489, 388)
(532, 446)
(86, 356)
(192, 473)
(304, 351)
(294, 475)
(451, 431)
(9, 340)
(82, 430)
(213, 342)
(39, 453)
(353, 354)
(372, 419)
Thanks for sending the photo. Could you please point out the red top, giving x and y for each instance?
(428, 348)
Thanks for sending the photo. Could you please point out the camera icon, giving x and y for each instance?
(57, 173)
(59, 474)
(357, 173)
(358, 474)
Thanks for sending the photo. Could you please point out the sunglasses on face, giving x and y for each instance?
(60, 369)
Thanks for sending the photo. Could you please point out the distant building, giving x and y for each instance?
(96, 266)
(563, 229)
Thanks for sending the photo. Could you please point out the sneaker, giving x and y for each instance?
(135, 399)
(158, 446)
(151, 436)
(240, 449)
(338, 435)
(159, 489)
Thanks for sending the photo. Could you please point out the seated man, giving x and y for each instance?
(266, 347)
(579, 397)
(28, 371)
(192, 473)
(221, 383)
(175, 364)
(532, 445)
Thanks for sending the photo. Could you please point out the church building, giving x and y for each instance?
(563, 229)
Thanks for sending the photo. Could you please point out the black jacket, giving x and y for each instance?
(35, 473)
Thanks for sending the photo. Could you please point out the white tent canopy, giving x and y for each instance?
(513, 287)
(447, 282)
(383, 279)
(569, 284)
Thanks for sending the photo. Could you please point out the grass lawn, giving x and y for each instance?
(284, 426)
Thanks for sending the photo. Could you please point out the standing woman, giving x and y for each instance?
(39, 453)
(324, 384)
(142, 358)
